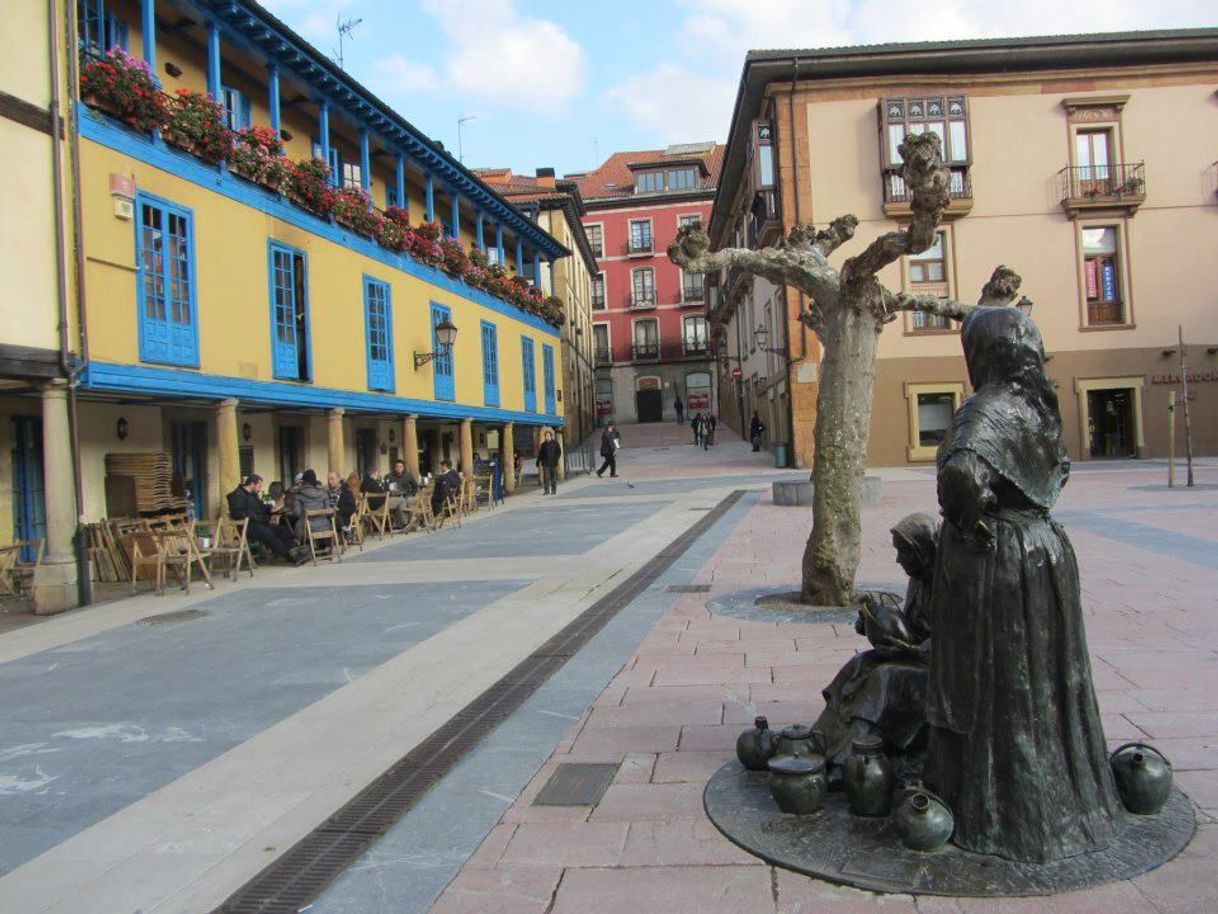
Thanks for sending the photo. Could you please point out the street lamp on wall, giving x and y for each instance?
(762, 336)
(1025, 306)
(446, 335)
(121, 429)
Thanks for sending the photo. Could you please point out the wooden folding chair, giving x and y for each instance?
(16, 574)
(144, 551)
(452, 508)
(353, 533)
(484, 491)
(323, 536)
(378, 515)
(420, 512)
(467, 502)
(180, 552)
(230, 546)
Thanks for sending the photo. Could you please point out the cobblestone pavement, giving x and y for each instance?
(670, 717)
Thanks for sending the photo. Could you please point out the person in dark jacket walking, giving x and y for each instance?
(709, 424)
(245, 501)
(695, 425)
(679, 408)
(548, 456)
(756, 430)
(609, 446)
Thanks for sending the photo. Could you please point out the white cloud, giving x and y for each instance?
(397, 77)
(676, 104)
(501, 56)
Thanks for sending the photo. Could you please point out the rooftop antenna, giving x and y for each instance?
(461, 121)
(345, 28)
(596, 154)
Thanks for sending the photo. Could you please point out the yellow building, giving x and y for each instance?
(224, 322)
(1084, 162)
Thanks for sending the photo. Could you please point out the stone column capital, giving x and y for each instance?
(55, 387)
(467, 423)
(229, 403)
(337, 413)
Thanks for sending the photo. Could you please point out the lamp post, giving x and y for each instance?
(1025, 306)
(446, 335)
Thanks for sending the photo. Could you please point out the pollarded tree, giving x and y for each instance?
(848, 309)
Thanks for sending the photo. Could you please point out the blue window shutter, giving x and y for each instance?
(391, 196)
(529, 367)
(119, 37)
(247, 113)
(442, 364)
(490, 364)
(547, 369)
(284, 294)
(165, 283)
(378, 326)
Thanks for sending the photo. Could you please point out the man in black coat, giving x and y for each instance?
(245, 501)
(609, 446)
(548, 456)
(448, 485)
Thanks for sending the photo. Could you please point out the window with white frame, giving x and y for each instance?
(643, 282)
(596, 239)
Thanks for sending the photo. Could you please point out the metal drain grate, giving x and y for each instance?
(181, 615)
(687, 588)
(301, 874)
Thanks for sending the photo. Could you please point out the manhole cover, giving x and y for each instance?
(687, 588)
(182, 615)
(576, 784)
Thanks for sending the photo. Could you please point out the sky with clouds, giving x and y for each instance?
(563, 83)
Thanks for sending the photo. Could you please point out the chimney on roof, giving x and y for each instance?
(545, 177)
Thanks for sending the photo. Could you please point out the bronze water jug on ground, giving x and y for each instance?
(868, 778)
(922, 820)
(757, 746)
(798, 785)
(1143, 777)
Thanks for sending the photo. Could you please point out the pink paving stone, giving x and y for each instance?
(641, 802)
(1118, 726)
(1186, 885)
(816, 674)
(492, 846)
(1201, 787)
(619, 741)
(1119, 702)
(799, 894)
(1176, 723)
(671, 677)
(703, 738)
(682, 842)
(689, 766)
(508, 890)
(714, 665)
(673, 695)
(1182, 699)
(778, 713)
(670, 890)
(778, 658)
(1190, 753)
(1106, 899)
(802, 692)
(695, 710)
(768, 643)
(549, 844)
(636, 768)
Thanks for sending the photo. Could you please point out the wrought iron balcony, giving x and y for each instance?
(642, 301)
(639, 246)
(604, 356)
(897, 197)
(645, 352)
(671, 352)
(693, 294)
(1119, 185)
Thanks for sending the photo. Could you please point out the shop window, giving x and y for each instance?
(931, 407)
(1102, 275)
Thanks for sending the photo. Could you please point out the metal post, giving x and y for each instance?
(1171, 439)
(274, 97)
(1188, 425)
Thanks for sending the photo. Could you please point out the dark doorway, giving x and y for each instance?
(291, 453)
(365, 452)
(1110, 421)
(29, 505)
(188, 449)
(650, 405)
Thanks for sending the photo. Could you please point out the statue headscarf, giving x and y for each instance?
(920, 532)
(1012, 420)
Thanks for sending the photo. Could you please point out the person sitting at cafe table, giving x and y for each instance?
(312, 496)
(448, 485)
(402, 487)
(244, 502)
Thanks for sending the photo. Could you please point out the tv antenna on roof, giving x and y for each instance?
(461, 121)
(345, 28)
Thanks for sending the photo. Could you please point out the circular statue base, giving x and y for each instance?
(780, 604)
(839, 847)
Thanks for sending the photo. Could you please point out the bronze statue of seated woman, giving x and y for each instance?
(882, 692)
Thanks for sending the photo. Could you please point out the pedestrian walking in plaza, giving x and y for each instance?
(756, 431)
(244, 502)
(679, 409)
(695, 425)
(548, 456)
(609, 445)
(709, 424)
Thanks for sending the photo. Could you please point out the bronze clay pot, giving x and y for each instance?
(1143, 777)
(922, 820)
(868, 778)
(756, 747)
(798, 785)
(798, 741)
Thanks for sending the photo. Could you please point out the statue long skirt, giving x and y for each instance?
(1016, 747)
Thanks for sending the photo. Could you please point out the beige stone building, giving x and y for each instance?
(1086, 163)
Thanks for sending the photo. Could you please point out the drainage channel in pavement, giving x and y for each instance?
(303, 872)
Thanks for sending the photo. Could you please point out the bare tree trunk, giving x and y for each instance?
(843, 425)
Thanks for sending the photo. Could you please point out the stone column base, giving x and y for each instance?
(55, 588)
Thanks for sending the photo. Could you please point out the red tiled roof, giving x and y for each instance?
(614, 177)
(517, 187)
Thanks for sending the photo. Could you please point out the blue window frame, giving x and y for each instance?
(378, 325)
(529, 366)
(100, 30)
(547, 372)
(335, 163)
(490, 364)
(165, 282)
(448, 228)
(237, 107)
(442, 364)
(391, 196)
(289, 313)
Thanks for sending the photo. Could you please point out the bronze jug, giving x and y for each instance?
(756, 747)
(798, 785)
(922, 820)
(1143, 777)
(799, 741)
(868, 778)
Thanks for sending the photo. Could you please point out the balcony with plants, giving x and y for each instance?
(1119, 186)
(122, 87)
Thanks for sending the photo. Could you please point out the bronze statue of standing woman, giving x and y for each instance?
(1015, 744)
